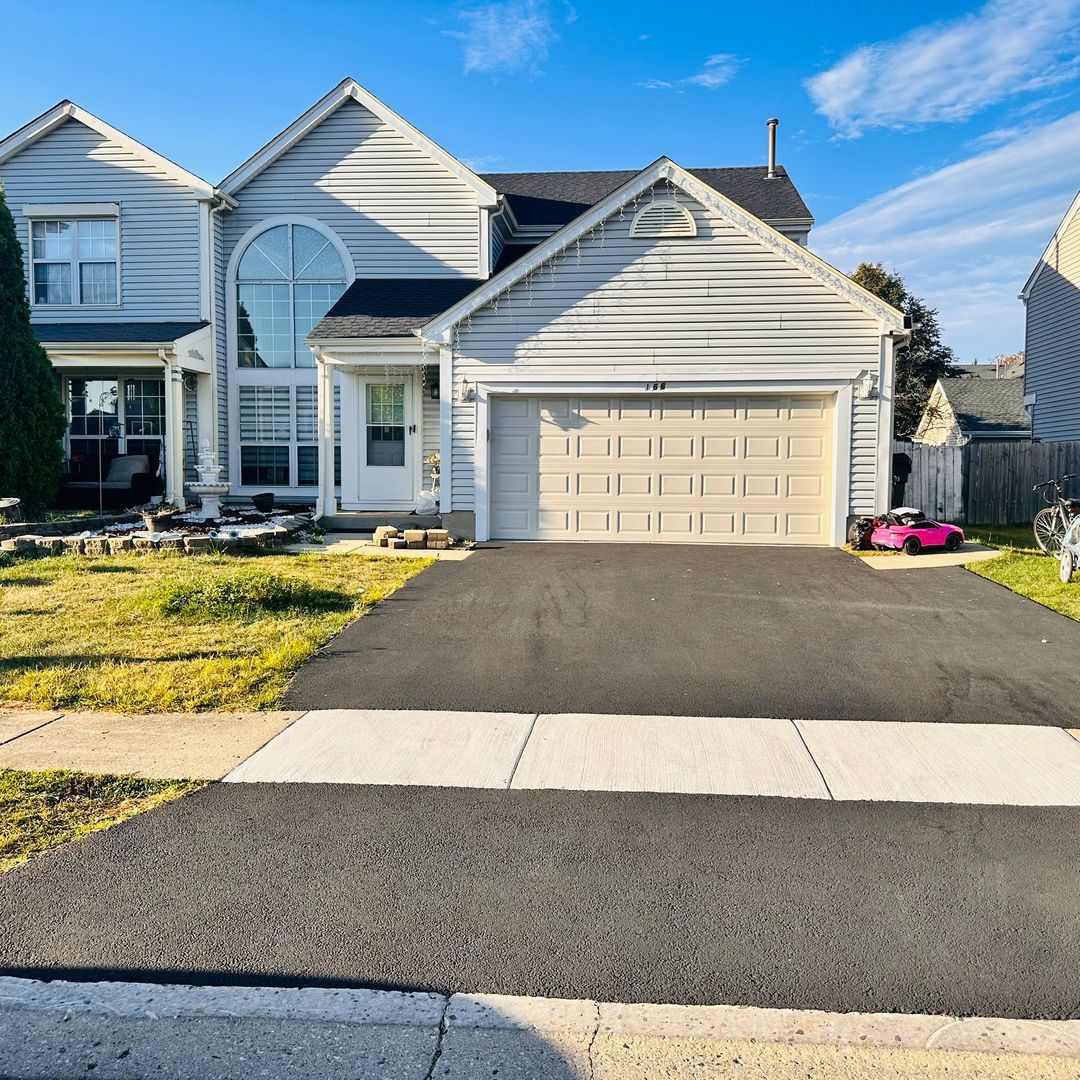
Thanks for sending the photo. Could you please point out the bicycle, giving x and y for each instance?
(1052, 521)
(1070, 551)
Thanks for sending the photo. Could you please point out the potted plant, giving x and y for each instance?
(155, 518)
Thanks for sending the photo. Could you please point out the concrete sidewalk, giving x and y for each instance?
(113, 1031)
(809, 759)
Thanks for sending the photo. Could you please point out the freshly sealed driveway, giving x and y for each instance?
(702, 631)
(614, 896)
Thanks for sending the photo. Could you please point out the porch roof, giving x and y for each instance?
(390, 307)
(150, 334)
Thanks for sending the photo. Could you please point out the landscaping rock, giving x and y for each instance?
(74, 544)
(438, 538)
(416, 538)
(8, 545)
(172, 544)
(396, 542)
(197, 543)
(119, 543)
(141, 543)
(384, 533)
(52, 544)
(96, 545)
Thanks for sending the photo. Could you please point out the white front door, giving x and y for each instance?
(387, 442)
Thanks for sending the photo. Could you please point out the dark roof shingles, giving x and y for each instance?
(119, 333)
(390, 307)
(988, 404)
(556, 198)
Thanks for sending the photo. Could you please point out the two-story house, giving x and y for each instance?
(1051, 299)
(620, 355)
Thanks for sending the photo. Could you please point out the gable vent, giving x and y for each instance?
(663, 218)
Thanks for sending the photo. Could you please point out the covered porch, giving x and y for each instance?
(131, 391)
(388, 432)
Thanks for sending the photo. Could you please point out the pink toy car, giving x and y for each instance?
(902, 533)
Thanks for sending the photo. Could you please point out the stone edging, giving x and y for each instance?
(64, 527)
(723, 1023)
(271, 537)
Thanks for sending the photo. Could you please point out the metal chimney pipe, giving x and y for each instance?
(772, 122)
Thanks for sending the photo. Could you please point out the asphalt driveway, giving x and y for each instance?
(791, 903)
(702, 631)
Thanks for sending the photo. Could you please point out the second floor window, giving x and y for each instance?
(74, 262)
(287, 280)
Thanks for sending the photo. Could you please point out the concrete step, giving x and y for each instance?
(367, 521)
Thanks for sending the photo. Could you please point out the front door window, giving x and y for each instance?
(386, 424)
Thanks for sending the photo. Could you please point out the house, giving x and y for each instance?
(650, 355)
(1052, 335)
(990, 370)
(961, 410)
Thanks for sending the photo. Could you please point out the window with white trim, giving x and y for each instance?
(279, 436)
(288, 278)
(73, 262)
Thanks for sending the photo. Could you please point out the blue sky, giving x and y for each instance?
(947, 146)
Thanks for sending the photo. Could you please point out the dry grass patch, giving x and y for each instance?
(39, 810)
(168, 633)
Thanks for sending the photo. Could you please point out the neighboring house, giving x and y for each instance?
(989, 370)
(962, 409)
(1051, 298)
(649, 355)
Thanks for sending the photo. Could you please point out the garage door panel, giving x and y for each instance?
(701, 469)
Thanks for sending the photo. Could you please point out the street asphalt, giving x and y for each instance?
(702, 631)
(611, 896)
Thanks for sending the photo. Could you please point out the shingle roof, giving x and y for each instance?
(983, 405)
(556, 198)
(390, 307)
(120, 333)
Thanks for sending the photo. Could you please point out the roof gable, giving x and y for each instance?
(1044, 259)
(68, 110)
(351, 90)
(440, 329)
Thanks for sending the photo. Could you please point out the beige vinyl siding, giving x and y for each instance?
(719, 306)
(1052, 346)
(399, 212)
(159, 223)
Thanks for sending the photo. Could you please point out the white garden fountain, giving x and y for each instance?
(209, 488)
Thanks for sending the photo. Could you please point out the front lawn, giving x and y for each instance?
(1034, 576)
(39, 810)
(174, 633)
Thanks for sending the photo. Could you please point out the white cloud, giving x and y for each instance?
(950, 70)
(966, 236)
(718, 69)
(510, 36)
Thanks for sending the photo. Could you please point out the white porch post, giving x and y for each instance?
(174, 433)
(326, 500)
(205, 413)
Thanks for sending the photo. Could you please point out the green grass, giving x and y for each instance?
(39, 810)
(174, 633)
(1034, 576)
(1001, 536)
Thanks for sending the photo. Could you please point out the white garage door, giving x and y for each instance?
(703, 469)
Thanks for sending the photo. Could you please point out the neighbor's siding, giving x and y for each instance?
(1052, 346)
(159, 224)
(399, 212)
(718, 304)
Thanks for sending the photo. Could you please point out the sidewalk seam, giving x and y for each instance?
(810, 754)
(30, 731)
(521, 752)
(440, 1037)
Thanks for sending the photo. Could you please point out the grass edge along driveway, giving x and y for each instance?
(42, 809)
(1023, 569)
(173, 633)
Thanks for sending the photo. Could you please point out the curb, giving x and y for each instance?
(721, 1023)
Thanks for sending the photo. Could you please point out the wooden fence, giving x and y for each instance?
(986, 483)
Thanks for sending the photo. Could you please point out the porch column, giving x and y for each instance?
(174, 433)
(326, 500)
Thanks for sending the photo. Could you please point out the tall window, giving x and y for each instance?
(287, 280)
(74, 262)
(279, 436)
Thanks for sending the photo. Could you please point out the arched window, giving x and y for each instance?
(288, 278)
